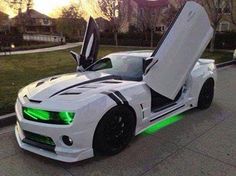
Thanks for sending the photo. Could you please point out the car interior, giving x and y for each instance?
(160, 102)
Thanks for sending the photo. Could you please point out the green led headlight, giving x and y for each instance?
(63, 118)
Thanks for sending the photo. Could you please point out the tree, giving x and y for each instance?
(111, 10)
(170, 13)
(149, 18)
(70, 23)
(18, 6)
(215, 10)
(173, 9)
(233, 11)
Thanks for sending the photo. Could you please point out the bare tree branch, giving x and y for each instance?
(149, 18)
(112, 10)
(233, 11)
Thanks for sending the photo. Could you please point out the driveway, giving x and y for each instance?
(202, 143)
(55, 48)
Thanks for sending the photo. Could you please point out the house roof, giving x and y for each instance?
(152, 3)
(3, 14)
(34, 14)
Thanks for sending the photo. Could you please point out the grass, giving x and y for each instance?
(16, 71)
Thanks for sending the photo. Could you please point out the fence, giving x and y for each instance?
(44, 38)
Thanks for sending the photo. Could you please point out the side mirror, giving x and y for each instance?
(77, 57)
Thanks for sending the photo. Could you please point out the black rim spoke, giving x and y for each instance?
(117, 131)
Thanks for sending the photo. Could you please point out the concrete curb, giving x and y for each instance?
(10, 119)
(7, 119)
(226, 64)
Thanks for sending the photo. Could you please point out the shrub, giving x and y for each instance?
(225, 40)
(129, 39)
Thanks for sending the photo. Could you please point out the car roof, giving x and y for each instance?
(137, 53)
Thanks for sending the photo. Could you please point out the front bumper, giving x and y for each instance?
(82, 143)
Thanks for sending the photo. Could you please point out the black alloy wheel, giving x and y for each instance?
(114, 131)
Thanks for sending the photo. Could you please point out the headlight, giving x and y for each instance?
(38, 115)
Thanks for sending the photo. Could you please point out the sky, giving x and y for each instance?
(53, 7)
(48, 7)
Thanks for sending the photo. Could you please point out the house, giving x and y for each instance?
(225, 8)
(226, 24)
(143, 13)
(160, 10)
(130, 13)
(4, 22)
(34, 22)
(36, 26)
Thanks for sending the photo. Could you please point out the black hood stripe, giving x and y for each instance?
(113, 97)
(86, 82)
(117, 93)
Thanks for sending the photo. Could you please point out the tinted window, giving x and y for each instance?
(127, 67)
(101, 65)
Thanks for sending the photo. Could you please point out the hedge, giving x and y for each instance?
(226, 40)
(129, 39)
(223, 40)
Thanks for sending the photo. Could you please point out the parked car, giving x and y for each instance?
(99, 108)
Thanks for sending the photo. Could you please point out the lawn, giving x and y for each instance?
(16, 71)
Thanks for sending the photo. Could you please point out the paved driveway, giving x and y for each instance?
(202, 143)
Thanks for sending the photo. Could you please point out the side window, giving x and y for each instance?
(101, 65)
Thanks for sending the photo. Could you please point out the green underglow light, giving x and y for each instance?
(162, 124)
(40, 138)
(37, 114)
(67, 117)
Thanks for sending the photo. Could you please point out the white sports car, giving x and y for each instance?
(105, 103)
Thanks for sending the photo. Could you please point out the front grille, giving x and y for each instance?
(39, 141)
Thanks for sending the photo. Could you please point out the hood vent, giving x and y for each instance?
(30, 100)
(111, 82)
(39, 83)
(71, 93)
(53, 78)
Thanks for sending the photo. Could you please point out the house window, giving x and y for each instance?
(224, 26)
(160, 28)
(45, 21)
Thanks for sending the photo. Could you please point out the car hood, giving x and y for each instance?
(68, 84)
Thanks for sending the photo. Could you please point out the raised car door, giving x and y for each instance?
(90, 47)
(178, 50)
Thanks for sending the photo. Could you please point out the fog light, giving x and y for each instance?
(67, 140)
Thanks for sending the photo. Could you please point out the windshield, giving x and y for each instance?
(126, 67)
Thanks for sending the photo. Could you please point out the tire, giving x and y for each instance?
(114, 131)
(206, 95)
